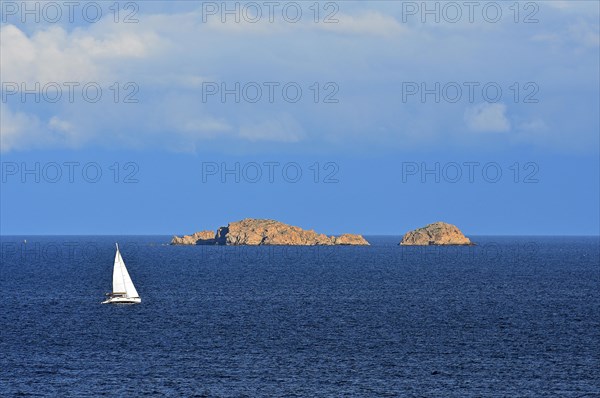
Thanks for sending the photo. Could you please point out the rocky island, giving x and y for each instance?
(438, 233)
(256, 232)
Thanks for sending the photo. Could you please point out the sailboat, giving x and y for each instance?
(123, 290)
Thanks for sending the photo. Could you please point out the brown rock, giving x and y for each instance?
(438, 233)
(270, 232)
(349, 239)
(266, 232)
(199, 238)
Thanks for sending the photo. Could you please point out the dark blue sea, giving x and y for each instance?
(510, 317)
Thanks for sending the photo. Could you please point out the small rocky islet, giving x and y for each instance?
(436, 234)
(256, 232)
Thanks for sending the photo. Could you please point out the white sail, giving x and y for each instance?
(121, 280)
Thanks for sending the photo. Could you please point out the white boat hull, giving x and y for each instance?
(123, 300)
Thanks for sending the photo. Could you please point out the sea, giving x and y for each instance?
(509, 317)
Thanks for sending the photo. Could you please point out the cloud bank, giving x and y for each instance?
(154, 74)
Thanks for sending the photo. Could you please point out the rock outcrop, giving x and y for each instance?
(199, 238)
(438, 233)
(349, 239)
(256, 232)
(270, 232)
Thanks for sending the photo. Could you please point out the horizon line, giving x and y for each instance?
(480, 235)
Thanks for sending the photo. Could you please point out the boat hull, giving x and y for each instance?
(123, 300)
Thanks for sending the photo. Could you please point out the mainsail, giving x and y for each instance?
(122, 283)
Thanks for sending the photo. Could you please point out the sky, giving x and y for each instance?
(344, 117)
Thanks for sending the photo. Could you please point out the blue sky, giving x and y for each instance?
(399, 94)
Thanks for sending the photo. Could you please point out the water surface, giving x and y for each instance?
(511, 317)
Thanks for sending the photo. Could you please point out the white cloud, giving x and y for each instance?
(368, 23)
(534, 126)
(189, 134)
(487, 117)
(364, 23)
(284, 129)
(17, 129)
(57, 124)
(55, 55)
(578, 35)
(23, 131)
(262, 27)
(206, 127)
(66, 132)
(585, 34)
(560, 4)
(573, 6)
